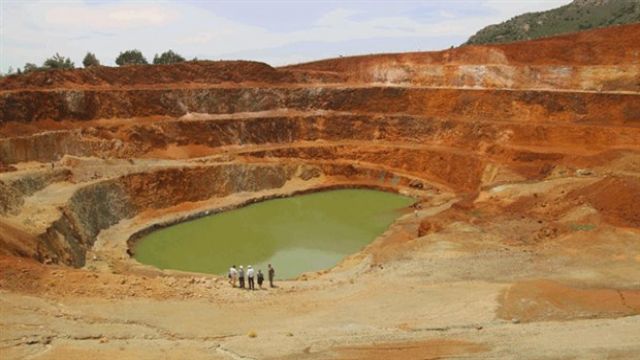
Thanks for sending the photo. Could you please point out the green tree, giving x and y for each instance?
(30, 67)
(131, 57)
(167, 57)
(58, 61)
(90, 60)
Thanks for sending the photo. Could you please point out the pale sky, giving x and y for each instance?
(275, 32)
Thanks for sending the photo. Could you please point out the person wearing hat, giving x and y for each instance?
(250, 277)
(241, 277)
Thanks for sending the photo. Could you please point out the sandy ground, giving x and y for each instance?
(466, 288)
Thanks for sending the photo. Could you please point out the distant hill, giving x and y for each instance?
(576, 16)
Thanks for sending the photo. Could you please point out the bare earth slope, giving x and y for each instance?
(524, 158)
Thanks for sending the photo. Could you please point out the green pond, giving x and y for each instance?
(296, 234)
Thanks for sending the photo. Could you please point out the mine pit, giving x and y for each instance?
(302, 233)
(126, 194)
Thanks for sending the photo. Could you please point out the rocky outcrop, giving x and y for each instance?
(15, 186)
(97, 206)
(27, 106)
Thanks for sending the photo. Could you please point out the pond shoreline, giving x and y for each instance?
(303, 231)
(136, 236)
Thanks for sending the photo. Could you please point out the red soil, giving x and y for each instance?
(192, 72)
(584, 48)
(545, 300)
(617, 199)
(594, 47)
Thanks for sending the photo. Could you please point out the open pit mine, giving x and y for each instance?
(521, 238)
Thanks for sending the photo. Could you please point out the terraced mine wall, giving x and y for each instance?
(13, 189)
(99, 205)
(27, 106)
(118, 142)
(381, 114)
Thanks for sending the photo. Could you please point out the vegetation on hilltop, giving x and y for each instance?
(131, 57)
(576, 16)
(90, 60)
(58, 61)
(168, 57)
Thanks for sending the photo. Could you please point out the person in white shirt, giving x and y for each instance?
(233, 276)
(250, 278)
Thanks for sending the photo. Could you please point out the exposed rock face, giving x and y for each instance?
(60, 105)
(89, 210)
(16, 186)
(453, 122)
(98, 206)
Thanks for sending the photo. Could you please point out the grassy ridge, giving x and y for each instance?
(576, 16)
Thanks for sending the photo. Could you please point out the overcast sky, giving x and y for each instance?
(276, 32)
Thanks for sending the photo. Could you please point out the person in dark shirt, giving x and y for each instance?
(260, 278)
(272, 274)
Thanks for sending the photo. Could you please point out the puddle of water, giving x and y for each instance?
(296, 234)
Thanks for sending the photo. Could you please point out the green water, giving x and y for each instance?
(296, 234)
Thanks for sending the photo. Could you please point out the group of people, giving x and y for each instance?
(237, 277)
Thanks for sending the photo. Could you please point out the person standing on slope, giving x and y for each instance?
(241, 277)
(252, 285)
(260, 278)
(233, 275)
(272, 274)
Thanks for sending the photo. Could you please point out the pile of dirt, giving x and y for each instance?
(617, 199)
